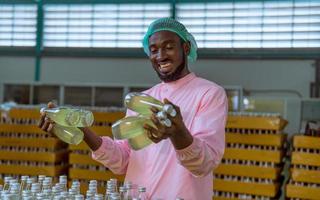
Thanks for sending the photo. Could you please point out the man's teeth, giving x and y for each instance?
(165, 65)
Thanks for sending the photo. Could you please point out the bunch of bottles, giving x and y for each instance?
(43, 188)
(131, 127)
(67, 122)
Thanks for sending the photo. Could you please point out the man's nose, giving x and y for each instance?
(161, 55)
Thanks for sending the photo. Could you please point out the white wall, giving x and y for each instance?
(251, 74)
(17, 69)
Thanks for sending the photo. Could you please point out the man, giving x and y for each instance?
(183, 156)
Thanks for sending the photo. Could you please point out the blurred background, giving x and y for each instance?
(266, 54)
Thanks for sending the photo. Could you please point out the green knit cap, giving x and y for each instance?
(169, 24)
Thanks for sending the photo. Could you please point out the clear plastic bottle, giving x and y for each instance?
(70, 135)
(141, 103)
(139, 142)
(122, 192)
(142, 193)
(129, 195)
(70, 116)
(130, 127)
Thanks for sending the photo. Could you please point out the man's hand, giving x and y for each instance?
(178, 132)
(45, 123)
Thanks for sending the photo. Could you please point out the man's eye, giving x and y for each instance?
(153, 50)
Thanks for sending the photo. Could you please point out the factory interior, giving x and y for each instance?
(88, 56)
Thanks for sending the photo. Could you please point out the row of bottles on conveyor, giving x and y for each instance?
(43, 188)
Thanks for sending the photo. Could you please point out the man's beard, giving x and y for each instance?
(176, 74)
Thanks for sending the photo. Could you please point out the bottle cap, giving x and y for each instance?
(161, 115)
(166, 122)
(168, 108)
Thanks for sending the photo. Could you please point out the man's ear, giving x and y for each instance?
(186, 47)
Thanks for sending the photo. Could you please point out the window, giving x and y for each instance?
(99, 25)
(18, 25)
(253, 24)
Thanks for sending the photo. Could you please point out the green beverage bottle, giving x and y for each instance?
(139, 142)
(70, 135)
(70, 117)
(141, 103)
(130, 127)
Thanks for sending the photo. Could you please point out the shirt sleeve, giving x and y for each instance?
(208, 130)
(113, 154)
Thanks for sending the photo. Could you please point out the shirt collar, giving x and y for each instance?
(180, 82)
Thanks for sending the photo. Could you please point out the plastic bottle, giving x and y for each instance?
(130, 127)
(139, 142)
(141, 103)
(70, 135)
(142, 193)
(70, 117)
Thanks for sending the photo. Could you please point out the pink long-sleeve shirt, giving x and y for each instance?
(168, 173)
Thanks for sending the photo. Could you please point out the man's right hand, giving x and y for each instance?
(45, 123)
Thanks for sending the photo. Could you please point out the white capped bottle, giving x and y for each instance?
(142, 193)
(70, 117)
(141, 103)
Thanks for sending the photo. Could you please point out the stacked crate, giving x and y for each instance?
(253, 160)
(305, 168)
(83, 167)
(27, 150)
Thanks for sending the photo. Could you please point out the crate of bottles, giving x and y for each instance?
(26, 149)
(82, 166)
(253, 159)
(304, 182)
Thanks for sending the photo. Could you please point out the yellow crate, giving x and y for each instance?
(49, 143)
(262, 189)
(18, 113)
(303, 192)
(108, 116)
(34, 113)
(35, 156)
(81, 146)
(247, 170)
(255, 139)
(21, 128)
(246, 122)
(82, 159)
(34, 170)
(96, 175)
(223, 198)
(102, 130)
(309, 142)
(256, 155)
(99, 130)
(309, 176)
(305, 158)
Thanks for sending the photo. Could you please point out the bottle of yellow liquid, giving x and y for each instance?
(141, 103)
(70, 135)
(70, 117)
(130, 127)
(139, 142)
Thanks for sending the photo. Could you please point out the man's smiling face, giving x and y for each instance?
(167, 55)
